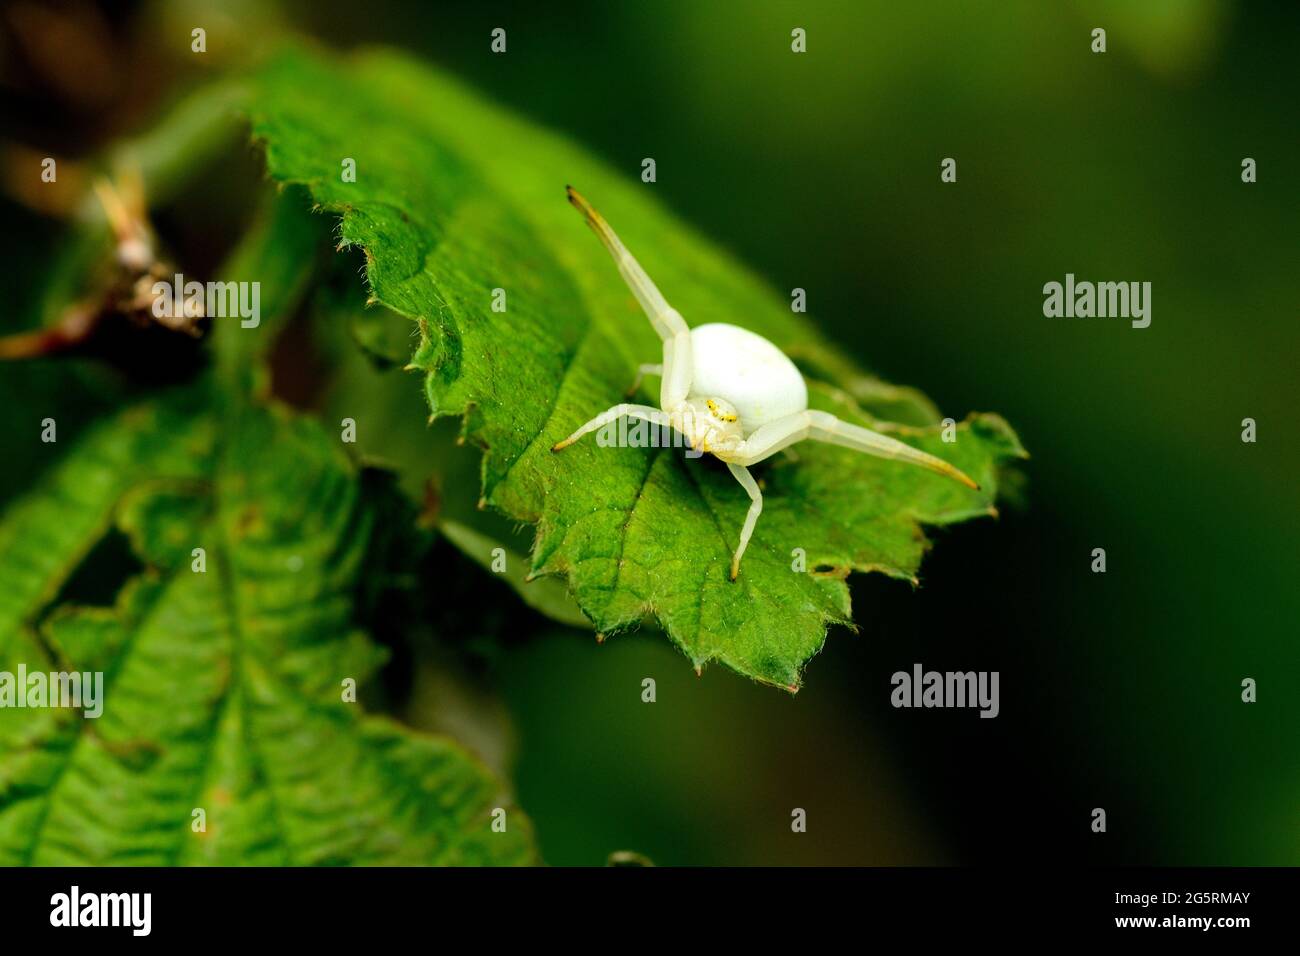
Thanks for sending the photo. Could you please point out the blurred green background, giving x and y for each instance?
(821, 171)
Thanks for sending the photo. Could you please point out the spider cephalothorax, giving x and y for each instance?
(731, 392)
(710, 424)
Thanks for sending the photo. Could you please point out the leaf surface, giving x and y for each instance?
(222, 688)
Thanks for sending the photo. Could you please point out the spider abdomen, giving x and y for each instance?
(748, 371)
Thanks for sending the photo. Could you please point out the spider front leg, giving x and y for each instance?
(641, 372)
(679, 364)
(644, 412)
(822, 426)
(742, 475)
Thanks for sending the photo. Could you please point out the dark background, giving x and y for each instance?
(1119, 690)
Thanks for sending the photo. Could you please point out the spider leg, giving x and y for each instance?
(667, 321)
(641, 372)
(769, 439)
(826, 427)
(679, 365)
(644, 412)
(742, 475)
(822, 426)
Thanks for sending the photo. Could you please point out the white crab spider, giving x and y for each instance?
(731, 392)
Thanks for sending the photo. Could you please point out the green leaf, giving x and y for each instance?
(279, 253)
(454, 198)
(222, 688)
(368, 385)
